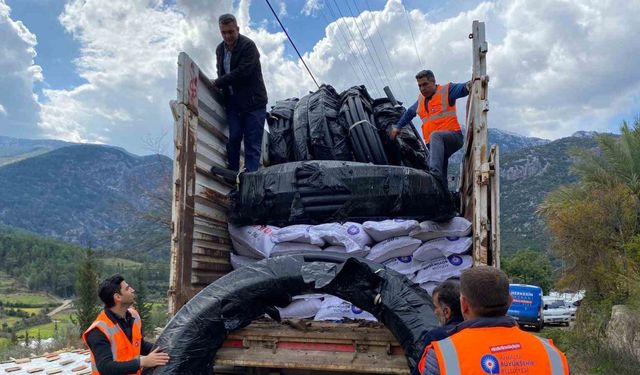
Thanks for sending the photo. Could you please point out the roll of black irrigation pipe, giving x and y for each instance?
(198, 330)
(280, 121)
(356, 114)
(314, 192)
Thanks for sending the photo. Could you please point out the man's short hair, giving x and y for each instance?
(486, 289)
(449, 294)
(428, 74)
(108, 288)
(226, 19)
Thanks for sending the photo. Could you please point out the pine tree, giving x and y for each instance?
(86, 302)
(142, 303)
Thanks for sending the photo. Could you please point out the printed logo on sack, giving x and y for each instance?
(355, 310)
(406, 259)
(353, 230)
(455, 260)
(452, 238)
(489, 364)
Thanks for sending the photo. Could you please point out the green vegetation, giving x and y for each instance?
(87, 305)
(529, 267)
(595, 224)
(27, 300)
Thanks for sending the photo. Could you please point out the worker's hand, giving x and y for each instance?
(153, 359)
(394, 133)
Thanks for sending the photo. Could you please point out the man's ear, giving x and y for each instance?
(117, 297)
(464, 305)
(446, 310)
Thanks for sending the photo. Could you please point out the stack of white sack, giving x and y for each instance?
(427, 253)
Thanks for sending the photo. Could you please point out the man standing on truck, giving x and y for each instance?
(115, 337)
(488, 341)
(240, 81)
(436, 107)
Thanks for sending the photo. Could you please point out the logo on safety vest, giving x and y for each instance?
(489, 364)
(137, 343)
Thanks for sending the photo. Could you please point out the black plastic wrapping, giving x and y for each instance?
(356, 115)
(301, 129)
(328, 139)
(320, 191)
(280, 121)
(198, 330)
(408, 149)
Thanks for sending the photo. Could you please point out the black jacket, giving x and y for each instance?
(245, 78)
(101, 348)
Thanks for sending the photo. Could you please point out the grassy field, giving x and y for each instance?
(33, 299)
(7, 283)
(47, 330)
(121, 263)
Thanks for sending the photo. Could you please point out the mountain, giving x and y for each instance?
(90, 195)
(526, 176)
(16, 149)
(507, 142)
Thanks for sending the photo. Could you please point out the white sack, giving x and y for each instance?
(442, 268)
(297, 233)
(341, 249)
(392, 248)
(350, 235)
(301, 309)
(382, 230)
(406, 265)
(443, 246)
(456, 227)
(253, 241)
(334, 308)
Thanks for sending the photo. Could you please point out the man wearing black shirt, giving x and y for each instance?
(117, 331)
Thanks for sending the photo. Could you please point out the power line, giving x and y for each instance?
(292, 43)
(348, 60)
(412, 37)
(375, 52)
(356, 45)
(377, 32)
(395, 71)
(365, 78)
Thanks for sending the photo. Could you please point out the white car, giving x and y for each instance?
(557, 311)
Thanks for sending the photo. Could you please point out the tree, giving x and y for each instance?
(86, 302)
(142, 303)
(529, 267)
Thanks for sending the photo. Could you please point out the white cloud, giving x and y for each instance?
(282, 8)
(18, 73)
(311, 7)
(555, 66)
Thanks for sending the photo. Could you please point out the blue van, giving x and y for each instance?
(527, 304)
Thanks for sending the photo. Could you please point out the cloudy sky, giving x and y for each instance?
(103, 71)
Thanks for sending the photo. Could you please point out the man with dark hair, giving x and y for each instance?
(446, 303)
(115, 337)
(436, 107)
(488, 341)
(240, 81)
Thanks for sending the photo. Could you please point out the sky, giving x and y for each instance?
(104, 71)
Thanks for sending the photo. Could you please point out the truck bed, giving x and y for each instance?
(354, 347)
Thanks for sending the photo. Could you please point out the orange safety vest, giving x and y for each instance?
(122, 349)
(496, 350)
(438, 115)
